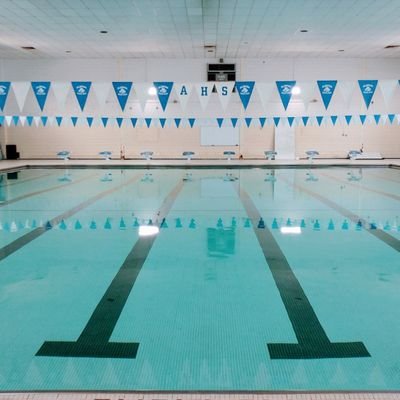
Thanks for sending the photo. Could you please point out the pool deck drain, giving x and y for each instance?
(201, 396)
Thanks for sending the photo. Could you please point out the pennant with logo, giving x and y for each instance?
(183, 91)
(41, 90)
(224, 90)
(245, 90)
(122, 91)
(204, 91)
(326, 88)
(368, 88)
(4, 90)
(81, 90)
(285, 91)
(163, 91)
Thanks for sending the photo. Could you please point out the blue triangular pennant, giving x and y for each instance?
(220, 121)
(119, 121)
(134, 122)
(285, 91)
(148, 121)
(377, 118)
(163, 91)
(44, 120)
(276, 120)
(334, 119)
(4, 90)
(191, 122)
(262, 121)
(391, 118)
(1, 119)
(122, 91)
(74, 120)
(362, 119)
(162, 122)
(326, 88)
(81, 90)
(234, 121)
(89, 121)
(348, 119)
(29, 120)
(367, 88)
(15, 120)
(177, 121)
(248, 121)
(290, 120)
(319, 120)
(245, 90)
(305, 120)
(41, 90)
(104, 120)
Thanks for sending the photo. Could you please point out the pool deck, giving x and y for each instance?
(220, 163)
(13, 164)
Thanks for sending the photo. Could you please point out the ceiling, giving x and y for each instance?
(181, 28)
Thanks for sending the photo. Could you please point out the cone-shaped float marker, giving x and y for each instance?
(345, 225)
(247, 223)
(359, 225)
(303, 223)
(122, 224)
(372, 225)
(261, 224)
(62, 225)
(48, 225)
(164, 223)
(317, 225)
(219, 223)
(288, 222)
(107, 225)
(93, 225)
(192, 224)
(331, 226)
(150, 222)
(78, 225)
(275, 224)
(178, 223)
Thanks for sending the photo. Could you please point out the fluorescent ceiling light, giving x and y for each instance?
(291, 230)
(148, 230)
(152, 91)
(296, 90)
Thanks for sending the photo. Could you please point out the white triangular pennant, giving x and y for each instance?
(183, 91)
(22, 120)
(388, 88)
(224, 91)
(204, 91)
(36, 121)
(61, 90)
(265, 92)
(8, 119)
(347, 90)
(142, 93)
(101, 90)
(309, 91)
(20, 91)
(51, 121)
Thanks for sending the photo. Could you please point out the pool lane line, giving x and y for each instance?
(378, 233)
(386, 178)
(313, 341)
(94, 341)
(17, 244)
(361, 186)
(50, 189)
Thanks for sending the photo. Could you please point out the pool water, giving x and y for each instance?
(200, 279)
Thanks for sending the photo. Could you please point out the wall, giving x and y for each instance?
(85, 142)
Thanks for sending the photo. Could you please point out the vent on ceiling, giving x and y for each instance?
(392, 46)
(28, 48)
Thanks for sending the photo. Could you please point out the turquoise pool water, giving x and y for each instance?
(258, 279)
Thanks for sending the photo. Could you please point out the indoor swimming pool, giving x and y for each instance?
(173, 279)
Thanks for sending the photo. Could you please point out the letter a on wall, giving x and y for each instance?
(81, 90)
(163, 91)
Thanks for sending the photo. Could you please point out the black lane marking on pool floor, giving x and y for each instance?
(360, 186)
(32, 235)
(50, 189)
(94, 339)
(313, 342)
(378, 233)
(23, 180)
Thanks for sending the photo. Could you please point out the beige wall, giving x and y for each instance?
(335, 142)
(84, 142)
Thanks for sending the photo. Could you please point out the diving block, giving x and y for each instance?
(147, 155)
(106, 155)
(369, 156)
(270, 154)
(229, 154)
(311, 154)
(188, 154)
(353, 154)
(64, 155)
